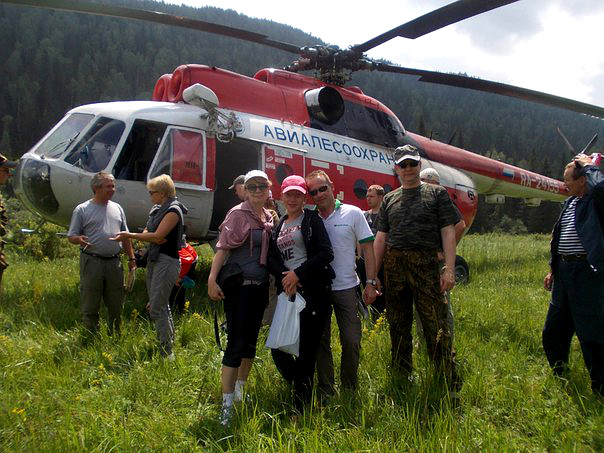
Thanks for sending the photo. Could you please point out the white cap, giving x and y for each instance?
(430, 174)
(255, 174)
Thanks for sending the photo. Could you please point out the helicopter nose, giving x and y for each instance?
(32, 185)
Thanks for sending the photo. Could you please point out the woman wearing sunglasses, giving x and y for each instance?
(244, 240)
(299, 257)
(165, 232)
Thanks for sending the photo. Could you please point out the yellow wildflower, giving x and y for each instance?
(107, 357)
(20, 412)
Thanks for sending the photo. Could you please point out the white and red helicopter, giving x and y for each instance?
(206, 125)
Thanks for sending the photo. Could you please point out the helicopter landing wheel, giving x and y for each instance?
(462, 271)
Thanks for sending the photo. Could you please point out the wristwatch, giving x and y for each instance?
(371, 282)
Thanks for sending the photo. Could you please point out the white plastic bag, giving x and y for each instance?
(284, 333)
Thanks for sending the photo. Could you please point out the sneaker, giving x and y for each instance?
(171, 357)
(226, 415)
(238, 393)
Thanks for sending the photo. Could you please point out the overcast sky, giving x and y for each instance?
(555, 46)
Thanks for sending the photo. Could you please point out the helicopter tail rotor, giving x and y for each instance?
(591, 143)
(570, 147)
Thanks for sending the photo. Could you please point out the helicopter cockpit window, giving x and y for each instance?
(56, 143)
(181, 157)
(365, 123)
(94, 151)
(139, 150)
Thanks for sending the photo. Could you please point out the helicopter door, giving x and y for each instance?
(184, 154)
(279, 163)
(231, 160)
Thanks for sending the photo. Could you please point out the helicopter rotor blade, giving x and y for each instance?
(439, 18)
(591, 143)
(435, 20)
(570, 147)
(156, 17)
(494, 87)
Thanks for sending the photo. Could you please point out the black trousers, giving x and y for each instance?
(243, 307)
(577, 306)
(300, 370)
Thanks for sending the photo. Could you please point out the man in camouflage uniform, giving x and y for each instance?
(415, 223)
(5, 166)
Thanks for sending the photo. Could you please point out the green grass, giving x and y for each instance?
(116, 394)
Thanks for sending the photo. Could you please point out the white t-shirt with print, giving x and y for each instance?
(346, 226)
(291, 243)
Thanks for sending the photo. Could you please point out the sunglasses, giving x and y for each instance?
(256, 187)
(320, 189)
(412, 163)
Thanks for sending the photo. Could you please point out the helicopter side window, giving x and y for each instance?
(365, 123)
(59, 140)
(181, 157)
(139, 150)
(94, 151)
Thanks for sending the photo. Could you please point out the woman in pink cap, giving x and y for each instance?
(299, 257)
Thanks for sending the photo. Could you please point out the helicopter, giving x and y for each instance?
(206, 125)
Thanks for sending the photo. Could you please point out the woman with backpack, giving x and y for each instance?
(165, 233)
(239, 276)
(299, 257)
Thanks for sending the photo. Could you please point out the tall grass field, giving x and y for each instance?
(59, 393)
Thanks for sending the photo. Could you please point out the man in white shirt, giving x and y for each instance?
(345, 225)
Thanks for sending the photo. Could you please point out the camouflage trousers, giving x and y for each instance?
(413, 277)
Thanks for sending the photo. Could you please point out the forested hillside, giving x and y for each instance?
(53, 61)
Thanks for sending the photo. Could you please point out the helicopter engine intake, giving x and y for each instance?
(325, 104)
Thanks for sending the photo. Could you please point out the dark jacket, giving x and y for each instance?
(315, 272)
(589, 221)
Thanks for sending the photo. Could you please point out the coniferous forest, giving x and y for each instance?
(53, 61)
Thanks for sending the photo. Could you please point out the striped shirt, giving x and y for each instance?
(569, 244)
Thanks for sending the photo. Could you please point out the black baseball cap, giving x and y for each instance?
(238, 180)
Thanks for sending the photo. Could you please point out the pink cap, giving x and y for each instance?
(293, 182)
